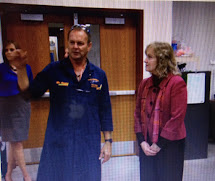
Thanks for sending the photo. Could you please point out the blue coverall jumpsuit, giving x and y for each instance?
(79, 111)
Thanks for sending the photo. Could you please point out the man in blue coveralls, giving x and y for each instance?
(80, 109)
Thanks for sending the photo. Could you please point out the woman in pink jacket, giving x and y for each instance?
(159, 116)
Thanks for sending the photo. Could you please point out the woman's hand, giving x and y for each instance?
(155, 147)
(20, 59)
(147, 149)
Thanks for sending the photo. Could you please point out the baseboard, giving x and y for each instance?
(32, 155)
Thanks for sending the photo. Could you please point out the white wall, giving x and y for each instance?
(157, 15)
(194, 24)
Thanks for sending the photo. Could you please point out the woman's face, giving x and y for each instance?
(150, 61)
(10, 52)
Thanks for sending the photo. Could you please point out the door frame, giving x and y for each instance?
(98, 12)
(7, 8)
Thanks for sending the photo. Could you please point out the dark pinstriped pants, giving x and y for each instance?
(167, 165)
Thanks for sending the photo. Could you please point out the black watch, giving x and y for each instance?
(110, 140)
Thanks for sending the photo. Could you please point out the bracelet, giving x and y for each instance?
(110, 140)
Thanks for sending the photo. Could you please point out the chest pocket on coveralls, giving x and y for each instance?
(94, 87)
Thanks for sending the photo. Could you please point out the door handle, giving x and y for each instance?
(111, 93)
(122, 92)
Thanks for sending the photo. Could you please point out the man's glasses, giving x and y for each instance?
(85, 27)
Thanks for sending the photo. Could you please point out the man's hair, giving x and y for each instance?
(8, 42)
(166, 62)
(79, 27)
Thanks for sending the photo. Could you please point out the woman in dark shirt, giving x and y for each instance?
(14, 111)
(159, 116)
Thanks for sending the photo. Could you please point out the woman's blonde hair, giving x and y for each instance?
(166, 62)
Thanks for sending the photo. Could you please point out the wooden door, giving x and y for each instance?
(34, 37)
(118, 54)
(118, 60)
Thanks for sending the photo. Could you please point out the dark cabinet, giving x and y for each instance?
(197, 123)
(212, 120)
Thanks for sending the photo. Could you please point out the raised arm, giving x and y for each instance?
(20, 61)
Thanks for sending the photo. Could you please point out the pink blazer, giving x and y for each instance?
(173, 108)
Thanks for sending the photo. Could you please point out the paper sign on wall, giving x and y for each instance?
(196, 88)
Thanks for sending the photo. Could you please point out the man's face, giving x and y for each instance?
(78, 45)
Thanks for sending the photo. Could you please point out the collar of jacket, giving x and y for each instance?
(67, 66)
(163, 82)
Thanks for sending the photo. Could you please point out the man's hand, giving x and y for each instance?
(106, 152)
(147, 149)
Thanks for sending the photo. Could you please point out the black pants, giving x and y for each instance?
(167, 165)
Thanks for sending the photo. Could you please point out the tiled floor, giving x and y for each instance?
(127, 169)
